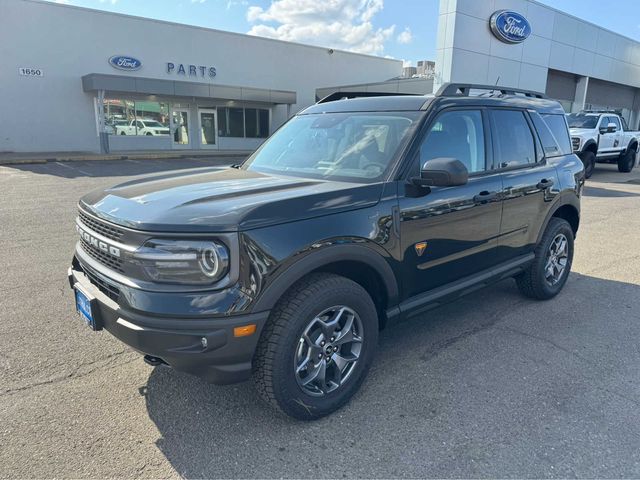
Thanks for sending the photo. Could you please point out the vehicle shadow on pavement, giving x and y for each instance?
(491, 385)
(120, 168)
(607, 193)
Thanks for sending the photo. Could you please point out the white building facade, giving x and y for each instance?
(574, 61)
(75, 79)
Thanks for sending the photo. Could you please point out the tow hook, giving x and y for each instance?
(154, 361)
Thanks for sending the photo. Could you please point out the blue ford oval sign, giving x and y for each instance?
(510, 27)
(122, 62)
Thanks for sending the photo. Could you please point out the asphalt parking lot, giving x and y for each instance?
(495, 385)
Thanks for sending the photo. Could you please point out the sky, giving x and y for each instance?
(402, 29)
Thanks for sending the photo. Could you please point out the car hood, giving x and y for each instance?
(227, 200)
(581, 131)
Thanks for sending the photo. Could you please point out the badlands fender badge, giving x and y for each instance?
(420, 248)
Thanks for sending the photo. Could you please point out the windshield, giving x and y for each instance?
(580, 120)
(335, 146)
(153, 123)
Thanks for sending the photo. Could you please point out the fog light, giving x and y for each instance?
(245, 330)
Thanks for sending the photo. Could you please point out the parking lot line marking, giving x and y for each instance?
(74, 168)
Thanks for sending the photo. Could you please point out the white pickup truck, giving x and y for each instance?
(142, 126)
(603, 137)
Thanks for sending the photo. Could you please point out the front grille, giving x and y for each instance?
(98, 226)
(575, 142)
(105, 259)
(109, 290)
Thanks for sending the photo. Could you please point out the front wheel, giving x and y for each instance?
(548, 273)
(317, 347)
(626, 162)
(589, 161)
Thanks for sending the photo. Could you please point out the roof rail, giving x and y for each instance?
(463, 89)
(346, 95)
(589, 110)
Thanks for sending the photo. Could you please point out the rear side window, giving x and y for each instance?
(514, 144)
(558, 126)
(624, 124)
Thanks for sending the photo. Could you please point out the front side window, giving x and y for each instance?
(514, 145)
(349, 146)
(456, 134)
(616, 121)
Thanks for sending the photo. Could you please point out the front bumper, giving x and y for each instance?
(220, 358)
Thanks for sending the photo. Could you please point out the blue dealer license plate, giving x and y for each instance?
(84, 306)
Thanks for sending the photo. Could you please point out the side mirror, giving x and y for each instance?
(443, 172)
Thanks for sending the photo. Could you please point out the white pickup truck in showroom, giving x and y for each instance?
(142, 126)
(599, 136)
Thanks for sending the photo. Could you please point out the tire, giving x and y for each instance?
(122, 133)
(534, 281)
(589, 161)
(282, 348)
(149, 134)
(626, 162)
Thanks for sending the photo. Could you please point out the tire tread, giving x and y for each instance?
(530, 282)
(280, 320)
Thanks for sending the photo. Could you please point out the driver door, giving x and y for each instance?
(606, 140)
(459, 225)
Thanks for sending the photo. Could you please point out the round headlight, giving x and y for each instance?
(213, 261)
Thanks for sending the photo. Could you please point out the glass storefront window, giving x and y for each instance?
(136, 118)
(243, 122)
(181, 126)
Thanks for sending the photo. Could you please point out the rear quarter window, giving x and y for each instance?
(557, 125)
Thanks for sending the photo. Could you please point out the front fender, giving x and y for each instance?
(322, 254)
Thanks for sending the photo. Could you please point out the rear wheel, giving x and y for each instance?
(626, 162)
(317, 347)
(589, 160)
(548, 273)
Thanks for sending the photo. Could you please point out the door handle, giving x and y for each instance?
(544, 183)
(485, 196)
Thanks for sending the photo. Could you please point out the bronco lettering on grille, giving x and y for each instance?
(99, 244)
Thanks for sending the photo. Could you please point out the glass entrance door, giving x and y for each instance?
(208, 128)
(180, 128)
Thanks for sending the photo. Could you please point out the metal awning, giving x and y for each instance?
(94, 82)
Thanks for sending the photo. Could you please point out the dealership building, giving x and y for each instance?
(76, 79)
(569, 59)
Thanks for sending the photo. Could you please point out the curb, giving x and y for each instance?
(145, 156)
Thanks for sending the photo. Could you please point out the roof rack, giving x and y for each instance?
(463, 89)
(599, 111)
(346, 95)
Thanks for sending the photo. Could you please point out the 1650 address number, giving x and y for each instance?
(30, 72)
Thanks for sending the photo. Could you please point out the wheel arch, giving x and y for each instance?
(359, 263)
(590, 146)
(566, 210)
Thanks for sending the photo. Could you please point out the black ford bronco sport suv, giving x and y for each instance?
(357, 212)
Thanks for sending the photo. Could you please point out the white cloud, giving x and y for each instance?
(405, 37)
(112, 2)
(198, 1)
(341, 24)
